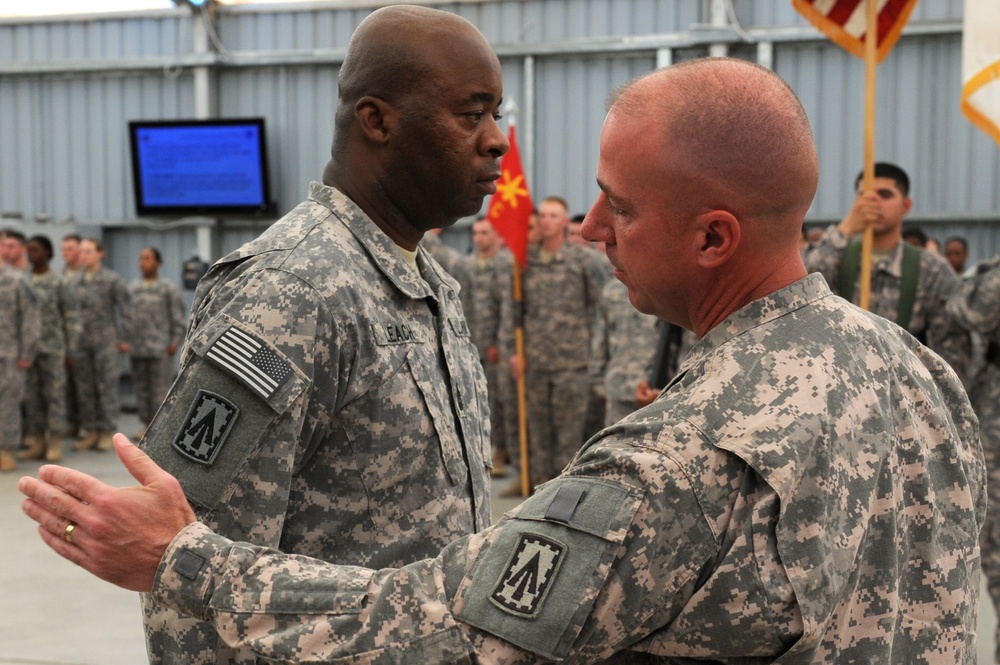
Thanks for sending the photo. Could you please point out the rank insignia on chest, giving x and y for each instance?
(208, 423)
(528, 575)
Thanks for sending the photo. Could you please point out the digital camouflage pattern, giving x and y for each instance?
(20, 330)
(622, 351)
(489, 276)
(976, 306)
(104, 304)
(158, 321)
(104, 319)
(809, 489)
(455, 265)
(373, 450)
(60, 314)
(560, 300)
(158, 318)
(936, 283)
(45, 392)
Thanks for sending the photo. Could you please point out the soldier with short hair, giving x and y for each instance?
(103, 299)
(808, 489)
(330, 401)
(20, 328)
(561, 290)
(45, 397)
(158, 319)
(909, 285)
(490, 267)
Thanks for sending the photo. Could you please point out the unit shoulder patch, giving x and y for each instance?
(528, 575)
(208, 423)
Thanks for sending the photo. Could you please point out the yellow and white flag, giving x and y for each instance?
(981, 65)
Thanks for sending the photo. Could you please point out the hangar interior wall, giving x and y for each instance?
(69, 86)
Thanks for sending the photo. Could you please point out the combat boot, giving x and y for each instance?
(7, 461)
(104, 441)
(88, 442)
(35, 449)
(53, 449)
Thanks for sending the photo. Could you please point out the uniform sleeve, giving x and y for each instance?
(949, 339)
(122, 299)
(178, 316)
(30, 321)
(236, 423)
(827, 254)
(976, 304)
(508, 318)
(599, 350)
(582, 569)
(488, 310)
(69, 308)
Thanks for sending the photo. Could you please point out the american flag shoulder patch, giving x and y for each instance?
(249, 360)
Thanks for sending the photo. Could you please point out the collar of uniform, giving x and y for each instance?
(809, 289)
(378, 245)
(892, 263)
(558, 256)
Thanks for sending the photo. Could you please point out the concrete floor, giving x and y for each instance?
(53, 613)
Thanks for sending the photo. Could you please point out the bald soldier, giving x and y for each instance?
(808, 489)
(330, 401)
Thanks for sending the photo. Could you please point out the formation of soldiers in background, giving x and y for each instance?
(62, 340)
(590, 357)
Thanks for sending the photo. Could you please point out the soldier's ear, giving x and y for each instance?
(717, 235)
(375, 117)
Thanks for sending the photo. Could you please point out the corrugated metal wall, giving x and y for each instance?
(69, 87)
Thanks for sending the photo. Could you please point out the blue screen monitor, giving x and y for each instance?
(200, 167)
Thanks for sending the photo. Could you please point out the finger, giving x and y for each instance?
(50, 522)
(139, 464)
(66, 550)
(51, 499)
(76, 483)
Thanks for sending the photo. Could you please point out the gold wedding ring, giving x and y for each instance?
(68, 533)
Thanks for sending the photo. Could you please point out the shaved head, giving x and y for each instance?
(739, 131)
(392, 53)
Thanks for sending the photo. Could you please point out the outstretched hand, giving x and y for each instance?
(119, 533)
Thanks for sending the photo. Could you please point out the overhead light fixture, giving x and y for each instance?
(194, 4)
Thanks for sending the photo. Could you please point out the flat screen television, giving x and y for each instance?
(200, 167)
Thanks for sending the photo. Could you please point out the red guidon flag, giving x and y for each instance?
(510, 208)
(845, 22)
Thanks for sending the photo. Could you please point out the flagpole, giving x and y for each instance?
(868, 181)
(522, 392)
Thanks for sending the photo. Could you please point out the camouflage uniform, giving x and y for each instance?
(928, 322)
(72, 408)
(622, 351)
(976, 307)
(357, 430)
(808, 490)
(104, 310)
(20, 328)
(45, 397)
(488, 278)
(158, 319)
(455, 265)
(560, 304)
